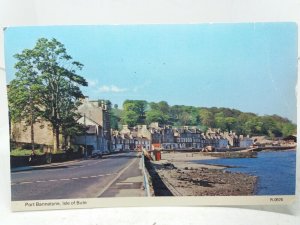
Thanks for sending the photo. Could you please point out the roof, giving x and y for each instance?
(91, 129)
(91, 111)
(291, 137)
(142, 138)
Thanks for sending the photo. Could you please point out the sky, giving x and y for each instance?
(251, 67)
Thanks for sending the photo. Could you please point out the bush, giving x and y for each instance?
(25, 152)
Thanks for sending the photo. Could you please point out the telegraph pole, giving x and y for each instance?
(85, 144)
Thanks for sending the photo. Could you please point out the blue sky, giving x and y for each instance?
(251, 67)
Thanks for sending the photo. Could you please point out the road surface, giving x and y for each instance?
(112, 176)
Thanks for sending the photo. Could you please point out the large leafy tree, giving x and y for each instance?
(158, 112)
(58, 73)
(115, 117)
(68, 114)
(24, 93)
(184, 115)
(134, 112)
(54, 74)
(156, 116)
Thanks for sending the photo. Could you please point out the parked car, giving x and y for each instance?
(97, 154)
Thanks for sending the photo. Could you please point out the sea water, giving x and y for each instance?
(276, 171)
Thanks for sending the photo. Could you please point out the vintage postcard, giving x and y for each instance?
(140, 115)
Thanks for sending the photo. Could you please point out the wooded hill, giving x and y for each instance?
(136, 112)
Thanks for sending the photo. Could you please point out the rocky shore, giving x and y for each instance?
(178, 174)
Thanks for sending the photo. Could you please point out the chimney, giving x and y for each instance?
(154, 125)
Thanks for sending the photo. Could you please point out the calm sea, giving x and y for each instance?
(276, 171)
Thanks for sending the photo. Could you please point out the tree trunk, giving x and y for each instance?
(32, 135)
(31, 125)
(56, 138)
(54, 141)
(65, 138)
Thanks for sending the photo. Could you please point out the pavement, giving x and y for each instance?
(115, 175)
(26, 168)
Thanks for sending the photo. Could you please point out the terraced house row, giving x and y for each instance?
(155, 136)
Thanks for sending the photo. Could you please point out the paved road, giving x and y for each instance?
(113, 175)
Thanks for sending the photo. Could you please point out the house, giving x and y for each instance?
(143, 131)
(188, 137)
(129, 135)
(261, 141)
(94, 116)
(135, 137)
(125, 130)
(142, 143)
(233, 139)
(291, 140)
(156, 137)
(218, 139)
(167, 138)
(143, 137)
(245, 142)
(93, 137)
(20, 134)
(222, 142)
(117, 141)
(126, 141)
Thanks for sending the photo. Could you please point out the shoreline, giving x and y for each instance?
(187, 178)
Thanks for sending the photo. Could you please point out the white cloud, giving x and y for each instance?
(111, 88)
(141, 86)
(92, 83)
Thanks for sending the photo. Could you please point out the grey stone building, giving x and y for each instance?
(94, 116)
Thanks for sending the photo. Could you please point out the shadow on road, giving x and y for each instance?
(53, 167)
(43, 168)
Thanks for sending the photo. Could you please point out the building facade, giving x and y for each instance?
(167, 137)
(94, 116)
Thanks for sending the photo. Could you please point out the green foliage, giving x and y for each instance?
(287, 129)
(158, 112)
(24, 92)
(47, 85)
(114, 121)
(206, 117)
(134, 112)
(130, 117)
(184, 115)
(25, 152)
(156, 116)
(224, 118)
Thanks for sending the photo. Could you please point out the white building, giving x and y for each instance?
(222, 143)
(246, 142)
